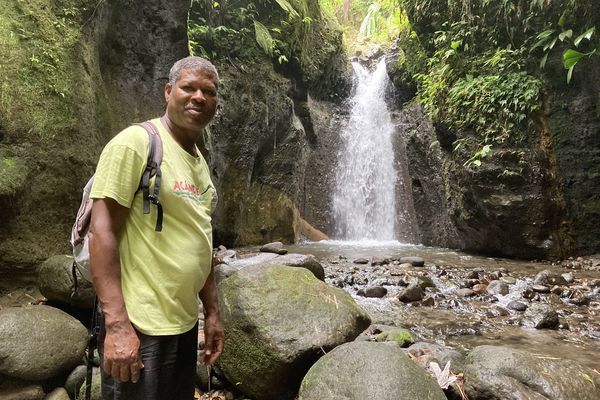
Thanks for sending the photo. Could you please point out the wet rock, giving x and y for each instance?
(368, 370)
(497, 312)
(516, 306)
(540, 289)
(75, 380)
(411, 293)
(414, 261)
(306, 261)
(557, 290)
(373, 291)
(594, 335)
(58, 394)
(509, 280)
(274, 247)
(503, 373)
(380, 261)
(497, 287)
(38, 342)
(549, 278)
(465, 292)
(21, 391)
(428, 301)
(433, 352)
(55, 280)
(568, 277)
(402, 337)
(361, 261)
(425, 282)
(594, 283)
(283, 332)
(581, 300)
(528, 294)
(473, 275)
(479, 288)
(540, 316)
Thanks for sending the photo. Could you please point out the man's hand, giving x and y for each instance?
(213, 338)
(122, 354)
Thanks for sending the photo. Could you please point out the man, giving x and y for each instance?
(148, 282)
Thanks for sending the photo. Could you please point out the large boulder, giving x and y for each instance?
(502, 373)
(368, 370)
(307, 261)
(278, 321)
(39, 342)
(55, 280)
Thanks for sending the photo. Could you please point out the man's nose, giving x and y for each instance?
(199, 96)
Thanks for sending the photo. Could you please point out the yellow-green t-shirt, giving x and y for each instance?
(161, 272)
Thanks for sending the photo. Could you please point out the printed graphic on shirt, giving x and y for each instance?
(190, 191)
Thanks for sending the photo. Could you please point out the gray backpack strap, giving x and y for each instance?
(155, 154)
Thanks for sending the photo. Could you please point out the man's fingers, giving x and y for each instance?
(135, 371)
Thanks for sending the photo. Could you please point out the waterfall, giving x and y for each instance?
(364, 200)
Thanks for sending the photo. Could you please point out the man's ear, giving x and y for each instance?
(167, 92)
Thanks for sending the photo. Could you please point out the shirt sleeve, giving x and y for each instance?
(121, 165)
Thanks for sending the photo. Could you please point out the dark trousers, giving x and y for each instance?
(169, 371)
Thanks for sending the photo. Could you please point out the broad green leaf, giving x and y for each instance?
(545, 34)
(569, 74)
(561, 20)
(455, 45)
(565, 34)
(551, 44)
(571, 57)
(585, 35)
(287, 7)
(543, 61)
(263, 38)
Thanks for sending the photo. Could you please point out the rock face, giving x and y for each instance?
(106, 69)
(501, 373)
(367, 370)
(39, 342)
(278, 320)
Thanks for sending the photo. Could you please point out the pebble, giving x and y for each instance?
(516, 306)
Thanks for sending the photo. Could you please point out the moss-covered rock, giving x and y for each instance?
(278, 320)
(367, 370)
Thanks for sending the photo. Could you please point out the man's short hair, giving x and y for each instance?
(195, 64)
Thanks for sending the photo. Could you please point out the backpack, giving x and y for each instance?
(79, 232)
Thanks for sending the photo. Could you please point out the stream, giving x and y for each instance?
(466, 322)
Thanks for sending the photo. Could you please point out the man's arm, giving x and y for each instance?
(213, 328)
(121, 345)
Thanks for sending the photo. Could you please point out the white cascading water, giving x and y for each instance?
(364, 201)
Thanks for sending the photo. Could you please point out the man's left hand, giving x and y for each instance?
(213, 339)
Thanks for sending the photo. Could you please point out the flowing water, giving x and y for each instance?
(459, 322)
(364, 201)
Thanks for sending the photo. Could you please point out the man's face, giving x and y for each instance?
(192, 102)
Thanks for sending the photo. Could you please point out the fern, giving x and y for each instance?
(264, 38)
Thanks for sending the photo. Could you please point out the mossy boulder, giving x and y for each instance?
(278, 321)
(39, 342)
(367, 370)
(502, 373)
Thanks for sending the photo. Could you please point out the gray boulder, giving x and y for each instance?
(502, 373)
(306, 261)
(549, 278)
(20, 390)
(540, 316)
(58, 394)
(278, 321)
(368, 370)
(55, 280)
(274, 247)
(38, 342)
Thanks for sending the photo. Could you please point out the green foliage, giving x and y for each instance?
(239, 28)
